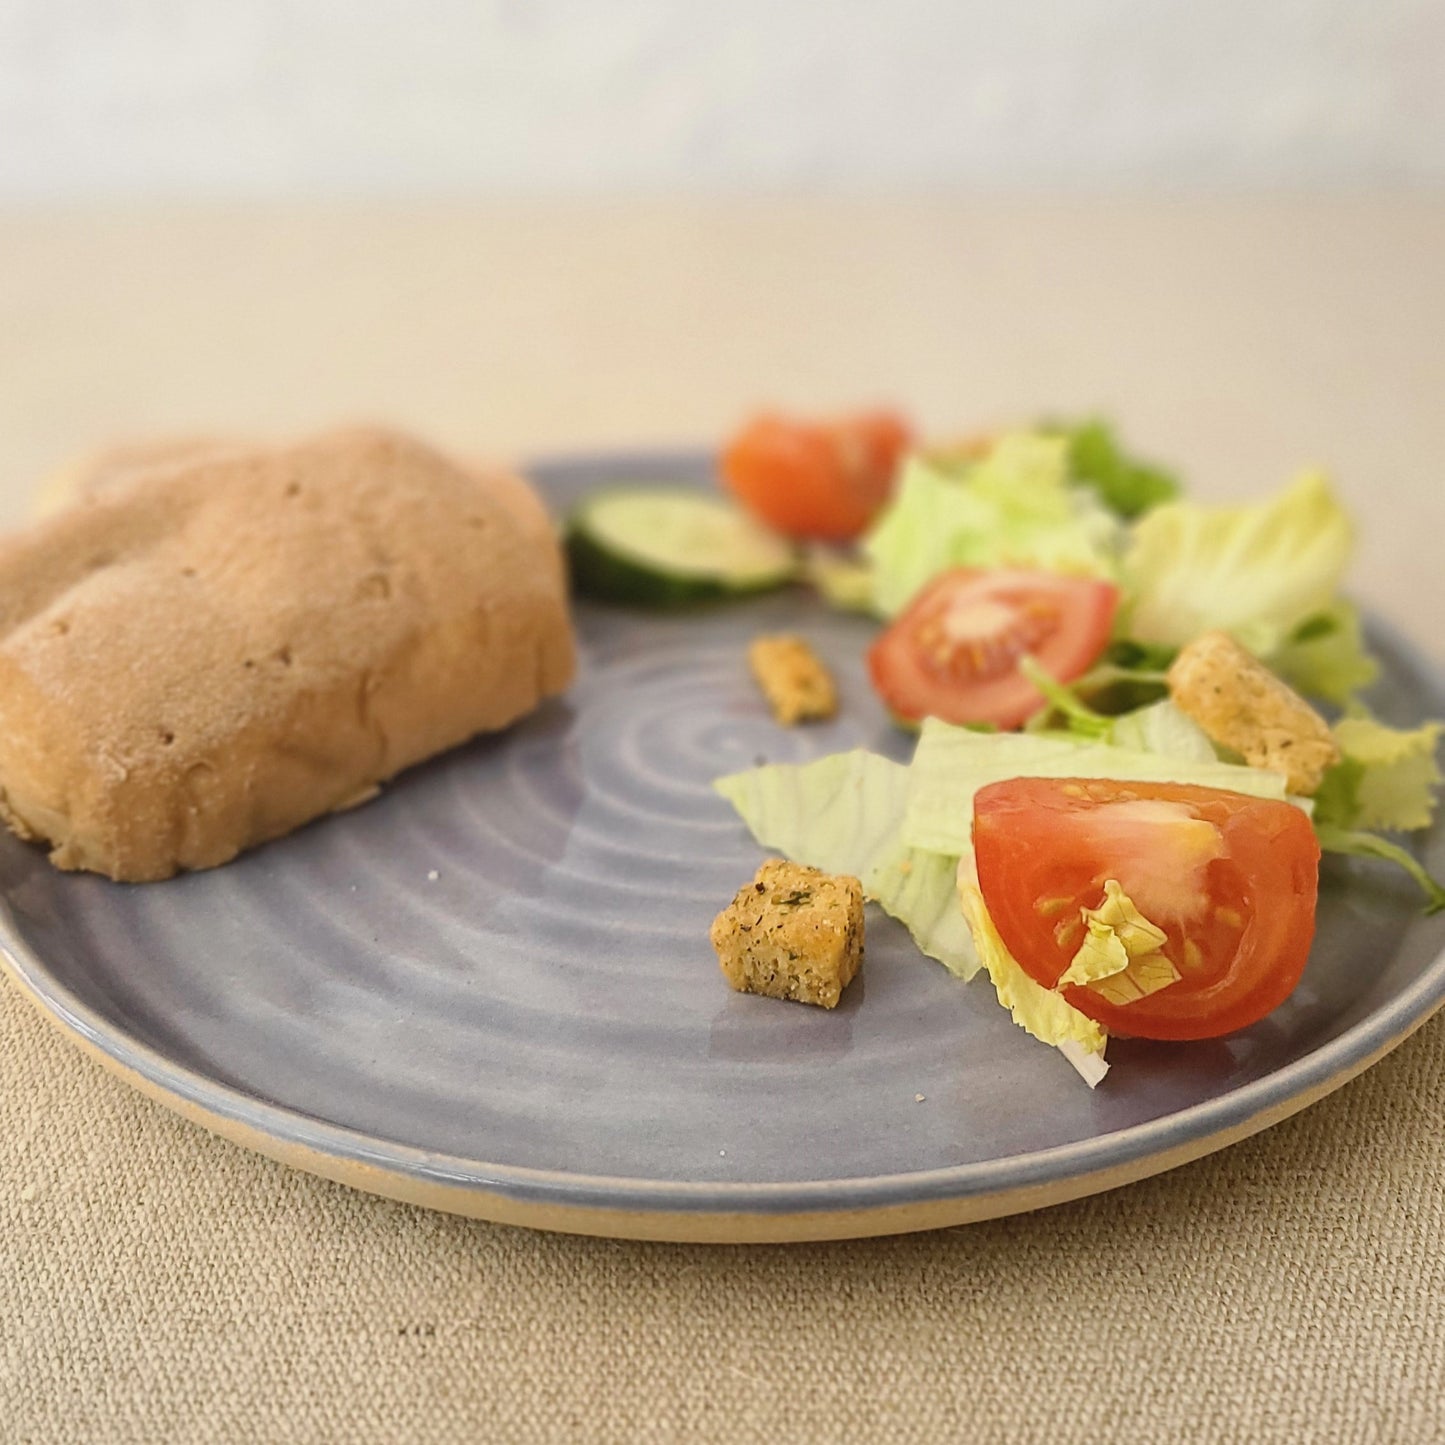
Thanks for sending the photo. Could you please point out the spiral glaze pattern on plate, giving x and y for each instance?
(503, 961)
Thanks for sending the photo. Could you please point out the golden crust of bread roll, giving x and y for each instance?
(208, 653)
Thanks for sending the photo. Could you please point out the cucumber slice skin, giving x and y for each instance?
(607, 573)
(606, 577)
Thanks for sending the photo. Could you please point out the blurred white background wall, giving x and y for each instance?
(107, 98)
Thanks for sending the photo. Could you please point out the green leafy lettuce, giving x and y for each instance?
(1325, 656)
(1258, 572)
(1386, 777)
(1014, 508)
(1357, 843)
(1124, 483)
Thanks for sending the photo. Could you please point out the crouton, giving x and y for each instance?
(794, 932)
(1242, 705)
(797, 685)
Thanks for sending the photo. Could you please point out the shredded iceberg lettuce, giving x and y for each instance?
(1157, 727)
(951, 764)
(1037, 1010)
(920, 890)
(1063, 703)
(1121, 955)
(842, 814)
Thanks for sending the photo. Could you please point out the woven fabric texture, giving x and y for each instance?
(158, 1284)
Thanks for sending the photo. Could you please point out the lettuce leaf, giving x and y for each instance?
(1325, 656)
(1163, 729)
(843, 579)
(1157, 727)
(1129, 655)
(1356, 843)
(1125, 484)
(1121, 956)
(1035, 1009)
(921, 891)
(842, 814)
(951, 764)
(1015, 507)
(1386, 777)
(1256, 571)
(1129, 675)
(1063, 708)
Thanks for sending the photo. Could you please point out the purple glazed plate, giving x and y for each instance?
(492, 991)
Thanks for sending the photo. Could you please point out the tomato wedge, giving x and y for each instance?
(819, 480)
(1230, 880)
(954, 652)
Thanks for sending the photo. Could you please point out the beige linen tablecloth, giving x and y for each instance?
(158, 1284)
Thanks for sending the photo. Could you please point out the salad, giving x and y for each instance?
(1140, 719)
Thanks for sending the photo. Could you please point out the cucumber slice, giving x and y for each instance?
(670, 547)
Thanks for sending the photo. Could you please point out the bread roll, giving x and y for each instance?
(118, 463)
(211, 651)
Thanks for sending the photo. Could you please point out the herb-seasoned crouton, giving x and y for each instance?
(1242, 705)
(796, 684)
(793, 932)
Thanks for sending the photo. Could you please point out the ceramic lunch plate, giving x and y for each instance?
(492, 991)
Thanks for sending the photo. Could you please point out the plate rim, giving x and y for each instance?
(722, 1210)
